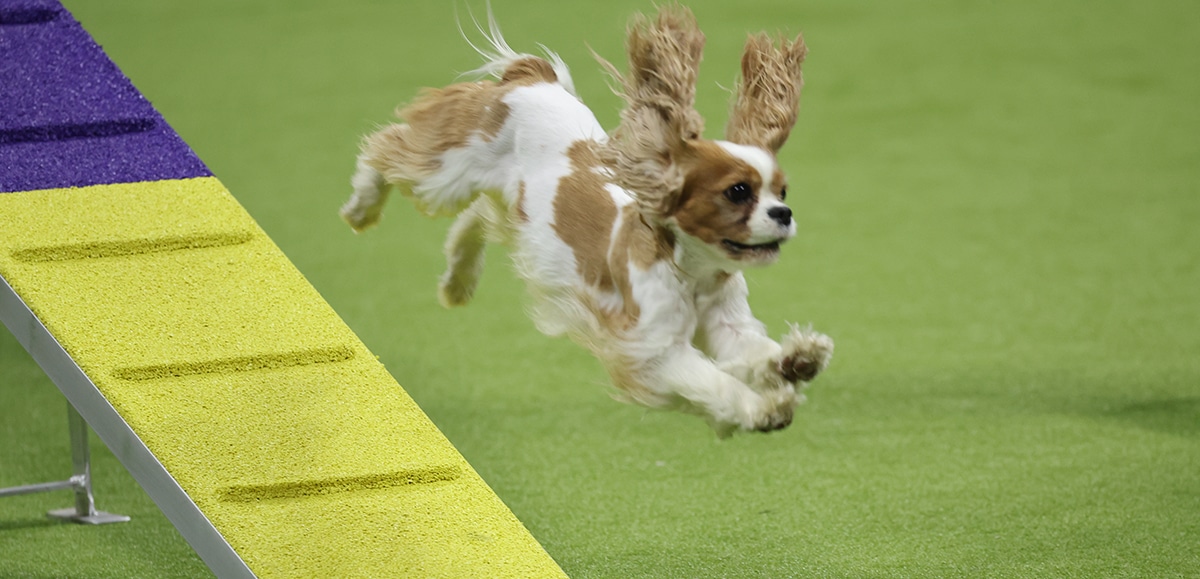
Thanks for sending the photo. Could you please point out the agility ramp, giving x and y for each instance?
(251, 414)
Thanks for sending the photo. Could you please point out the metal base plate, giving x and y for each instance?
(100, 518)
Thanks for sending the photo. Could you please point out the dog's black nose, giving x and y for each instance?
(781, 214)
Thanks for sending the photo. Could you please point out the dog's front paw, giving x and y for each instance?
(805, 354)
(776, 410)
(759, 412)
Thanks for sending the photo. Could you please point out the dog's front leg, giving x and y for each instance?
(731, 334)
(682, 373)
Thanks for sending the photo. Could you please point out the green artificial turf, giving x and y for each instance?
(999, 208)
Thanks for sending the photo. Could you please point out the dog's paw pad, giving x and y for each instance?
(805, 354)
(797, 369)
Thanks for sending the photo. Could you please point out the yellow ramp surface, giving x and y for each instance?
(284, 430)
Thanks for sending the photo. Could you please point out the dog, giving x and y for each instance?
(632, 243)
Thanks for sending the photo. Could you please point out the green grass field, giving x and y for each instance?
(999, 208)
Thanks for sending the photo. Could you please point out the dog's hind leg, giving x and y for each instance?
(365, 206)
(464, 249)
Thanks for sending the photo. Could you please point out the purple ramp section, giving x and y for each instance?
(68, 116)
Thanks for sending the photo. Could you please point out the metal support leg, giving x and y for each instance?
(81, 480)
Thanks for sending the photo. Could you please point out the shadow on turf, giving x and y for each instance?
(1179, 416)
(24, 524)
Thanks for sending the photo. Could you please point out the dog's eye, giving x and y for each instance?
(783, 194)
(740, 193)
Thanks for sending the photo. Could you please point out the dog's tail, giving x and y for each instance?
(450, 146)
(504, 63)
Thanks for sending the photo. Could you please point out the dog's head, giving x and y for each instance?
(731, 203)
(723, 200)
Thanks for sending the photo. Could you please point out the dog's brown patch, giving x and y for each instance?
(518, 208)
(438, 121)
(459, 111)
(529, 71)
(702, 210)
(442, 119)
(491, 120)
(778, 182)
(639, 245)
(584, 214)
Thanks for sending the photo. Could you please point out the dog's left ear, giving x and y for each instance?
(659, 118)
(768, 94)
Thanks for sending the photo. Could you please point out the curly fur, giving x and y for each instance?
(660, 92)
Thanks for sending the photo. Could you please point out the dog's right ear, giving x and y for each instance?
(659, 90)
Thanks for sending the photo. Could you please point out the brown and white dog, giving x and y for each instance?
(631, 243)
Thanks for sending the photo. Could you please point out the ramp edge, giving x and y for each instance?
(116, 434)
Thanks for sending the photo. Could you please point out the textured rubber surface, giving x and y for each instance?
(68, 116)
(279, 424)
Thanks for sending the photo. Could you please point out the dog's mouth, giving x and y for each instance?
(760, 250)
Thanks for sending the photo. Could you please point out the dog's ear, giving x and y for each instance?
(768, 94)
(659, 118)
